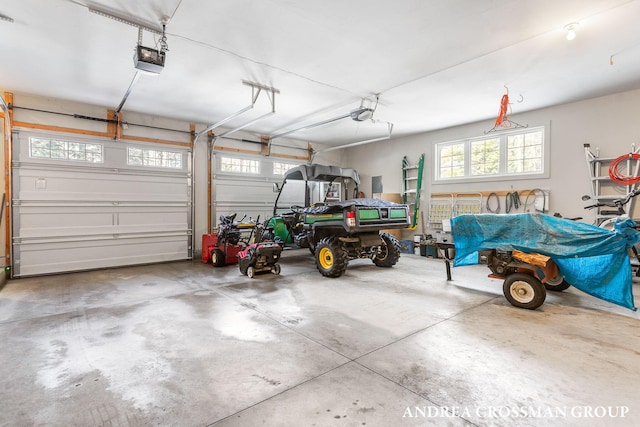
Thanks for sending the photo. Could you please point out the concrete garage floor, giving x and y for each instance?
(185, 344)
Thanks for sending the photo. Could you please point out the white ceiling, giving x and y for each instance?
(434, 63)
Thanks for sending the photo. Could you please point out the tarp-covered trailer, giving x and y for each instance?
(592, 259)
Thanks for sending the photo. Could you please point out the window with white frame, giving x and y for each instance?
(45, 148)
(524, 153)
(235, 164)
(280, 168)
(485, 157)
(154, 158)
(509, 154)
(451, 158)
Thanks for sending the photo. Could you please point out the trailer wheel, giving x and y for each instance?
(331, 258)
(217, 258)
(524, 291)
(557, 284)
(276, 269)
(251, 272)
(387, 254)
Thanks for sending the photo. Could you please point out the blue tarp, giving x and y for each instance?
(592, 259)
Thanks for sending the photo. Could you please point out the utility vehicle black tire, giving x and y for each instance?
(217, 258)
(388, 253)
(331, 258)
(557, 284)
(276, 269)
(524, 291)
(251, 272)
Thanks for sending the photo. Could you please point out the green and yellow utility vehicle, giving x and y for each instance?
(318, 207)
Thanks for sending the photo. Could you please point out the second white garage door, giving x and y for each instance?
(244, 184)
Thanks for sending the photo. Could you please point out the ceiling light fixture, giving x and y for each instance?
(571, 30)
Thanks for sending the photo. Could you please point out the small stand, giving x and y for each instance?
(448, 252)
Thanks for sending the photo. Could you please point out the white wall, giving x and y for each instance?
(611, 123)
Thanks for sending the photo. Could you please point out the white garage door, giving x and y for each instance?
(244, 184)
(92, 203)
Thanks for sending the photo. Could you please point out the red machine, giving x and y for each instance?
(218, 253)
(222, 248)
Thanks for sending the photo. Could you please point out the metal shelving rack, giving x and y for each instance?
(600, 181)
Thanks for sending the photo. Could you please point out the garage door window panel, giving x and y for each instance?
(153, 158)
(280, 168)
(43, 148)
(238, 165)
